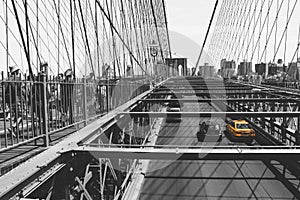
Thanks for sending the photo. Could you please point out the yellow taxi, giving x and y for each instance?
(240, 129)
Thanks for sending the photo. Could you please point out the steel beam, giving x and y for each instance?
(204, 153)
(203, 88)
(212, 93)
(212, 114)
(251, 100)
(177, 84)
(272, 88)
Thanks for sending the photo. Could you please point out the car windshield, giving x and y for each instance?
(174, 104)
(242, 126)
(214, 126)
(174, 109)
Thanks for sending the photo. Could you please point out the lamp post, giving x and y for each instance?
(44, 68)
(154, 53)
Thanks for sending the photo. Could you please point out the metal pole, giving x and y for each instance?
(6, 29)
(27, 24)
(37, 33)
(45, 110)
(101, 179)
(84, 102)
(73, 39)
(97, 39)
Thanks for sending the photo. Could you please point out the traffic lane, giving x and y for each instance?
(214, 180)
(183, 132)
(208, 179)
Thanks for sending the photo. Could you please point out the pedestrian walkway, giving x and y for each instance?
(13, 157)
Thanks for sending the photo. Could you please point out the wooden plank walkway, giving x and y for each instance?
(12, 158)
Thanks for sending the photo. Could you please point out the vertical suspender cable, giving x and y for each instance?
(73, 38)
(276, 28)
(58, 36)
(61, 30)
(26, 26)
(118, 34)
(86, 37)
(6, 31)
(287, 19)
(295, 54)
(112, 37)
(286, 27)
(167, 29)
(211, 20)
(260, 28)
(97, 39)
(156, 28)
(37, 32)
(267, 33)
(253, 35)
(124, 32)
(22, 38)
(261, 31)
(273, 25)
(298, 43)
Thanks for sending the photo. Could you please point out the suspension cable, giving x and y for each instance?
(118, 34)
(156, 29)
(167, 29)
(211, 20)
(286, 27)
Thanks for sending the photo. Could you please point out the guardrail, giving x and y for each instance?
(204, 146)
(16, 179)
(200, 153)
(35, 109)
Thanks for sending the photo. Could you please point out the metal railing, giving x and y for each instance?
(35, 109)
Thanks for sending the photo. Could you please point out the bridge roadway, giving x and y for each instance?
(169, 180)
(180, 179)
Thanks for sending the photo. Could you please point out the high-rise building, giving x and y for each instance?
(206, 70)
(293, 71)
(244, 68)
(272, 68)
(227, 68)
(261, 69)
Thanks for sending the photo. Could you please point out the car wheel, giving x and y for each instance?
(220, 138)
(250, 142)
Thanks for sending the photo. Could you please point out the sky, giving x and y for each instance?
(187, 21)
(190, 19)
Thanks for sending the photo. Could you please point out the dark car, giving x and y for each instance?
(209, 131)
(173, 107)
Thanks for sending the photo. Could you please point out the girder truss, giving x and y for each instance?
(188, 153)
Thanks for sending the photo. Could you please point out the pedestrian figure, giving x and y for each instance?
(13, 95)
(67, 87)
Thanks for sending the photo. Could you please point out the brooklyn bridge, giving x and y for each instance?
(100, 100)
